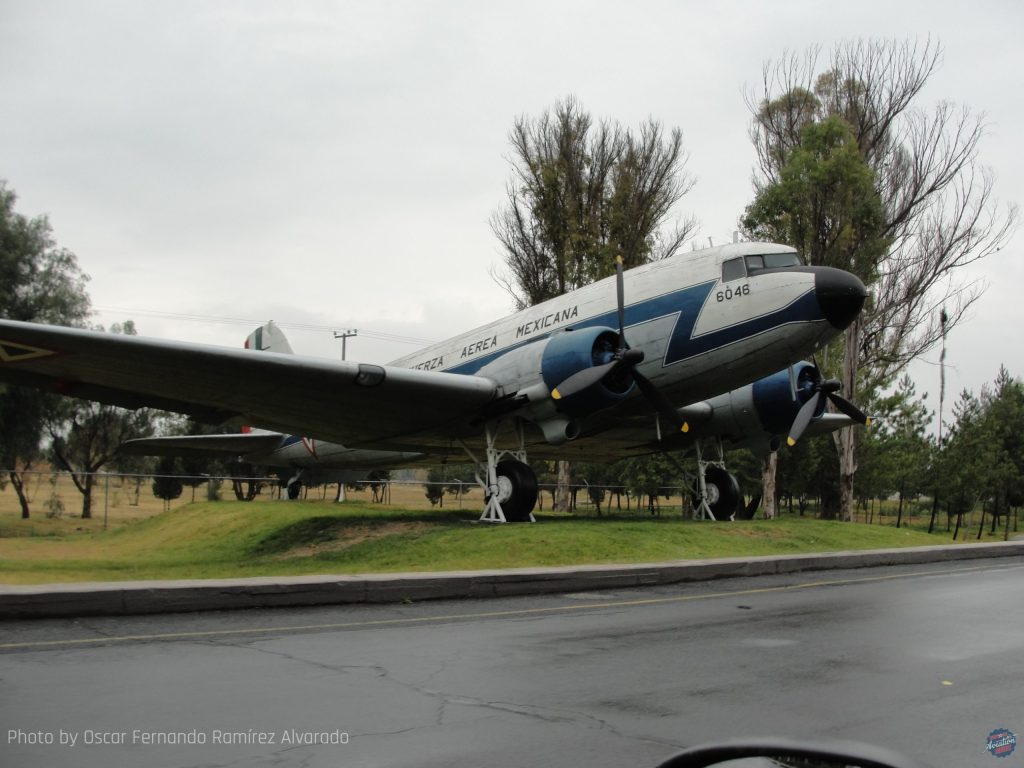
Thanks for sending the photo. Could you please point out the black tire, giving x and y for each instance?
(294, 490)
(723, 492)
(520, 490)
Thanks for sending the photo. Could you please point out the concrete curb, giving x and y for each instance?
(141, 597)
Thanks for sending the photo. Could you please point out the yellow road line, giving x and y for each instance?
(214, 633)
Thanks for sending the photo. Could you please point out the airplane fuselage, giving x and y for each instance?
(707, 321)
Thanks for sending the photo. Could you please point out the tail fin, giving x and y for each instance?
(268, 338)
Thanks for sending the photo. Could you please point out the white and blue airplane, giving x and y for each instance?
(714, 340)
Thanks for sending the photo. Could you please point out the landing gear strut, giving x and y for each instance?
(510, 485)
(716, 492)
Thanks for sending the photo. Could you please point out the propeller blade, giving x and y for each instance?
(580, 380)
(661, 404)
(583, 379)
(803, 418)
(849, 409)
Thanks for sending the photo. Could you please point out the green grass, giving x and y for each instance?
(230, 539)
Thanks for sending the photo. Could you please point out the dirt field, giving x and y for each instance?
(56, 505)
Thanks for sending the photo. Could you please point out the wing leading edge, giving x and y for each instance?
(345, 402)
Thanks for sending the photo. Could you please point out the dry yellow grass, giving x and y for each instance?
(116, 503)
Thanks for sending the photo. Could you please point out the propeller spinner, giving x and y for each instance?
(623, 363)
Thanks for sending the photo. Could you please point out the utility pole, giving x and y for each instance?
(345, 335)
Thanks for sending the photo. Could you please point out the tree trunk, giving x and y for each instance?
(846, 439)
(768, 488)
(87, 496)
(563, 498)
(935, 509)
(19, 487)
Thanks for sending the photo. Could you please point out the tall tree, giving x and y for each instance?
(43, 283)
(940, 213)
(824, 203)
(582, 193)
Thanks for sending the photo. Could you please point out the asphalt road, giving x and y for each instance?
(924, 659)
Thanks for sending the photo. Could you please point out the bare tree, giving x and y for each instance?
(940, 210)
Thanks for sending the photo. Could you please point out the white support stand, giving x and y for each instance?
(496, 488)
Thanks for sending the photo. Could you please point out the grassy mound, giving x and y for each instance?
(230, 539)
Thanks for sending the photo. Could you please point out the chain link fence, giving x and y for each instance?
(118, 496)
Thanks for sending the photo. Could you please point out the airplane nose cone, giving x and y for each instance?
(840, 295)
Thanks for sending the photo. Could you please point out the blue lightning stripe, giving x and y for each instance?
(686, 305)
(683, 345)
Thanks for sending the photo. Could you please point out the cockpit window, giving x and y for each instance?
(733, 269)
(772, 261)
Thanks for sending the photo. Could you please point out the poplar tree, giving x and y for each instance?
(581, 193)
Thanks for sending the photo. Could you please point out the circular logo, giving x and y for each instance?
(1001, 742)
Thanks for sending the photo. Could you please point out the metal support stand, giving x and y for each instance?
(497, 488)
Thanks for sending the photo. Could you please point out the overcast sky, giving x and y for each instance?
(335, 164)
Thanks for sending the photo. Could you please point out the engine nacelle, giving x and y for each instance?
(572, 351)
(536, 368)
(763, 409)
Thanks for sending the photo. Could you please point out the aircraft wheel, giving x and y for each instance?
(294, 490)
(723, 492)
(517, 490)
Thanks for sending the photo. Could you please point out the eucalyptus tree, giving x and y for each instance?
(939, 208)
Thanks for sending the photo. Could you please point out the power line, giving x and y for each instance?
(221, 320)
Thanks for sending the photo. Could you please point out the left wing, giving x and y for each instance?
(345, 402)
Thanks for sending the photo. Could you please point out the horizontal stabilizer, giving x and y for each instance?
(829, 422)
(186, 445)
